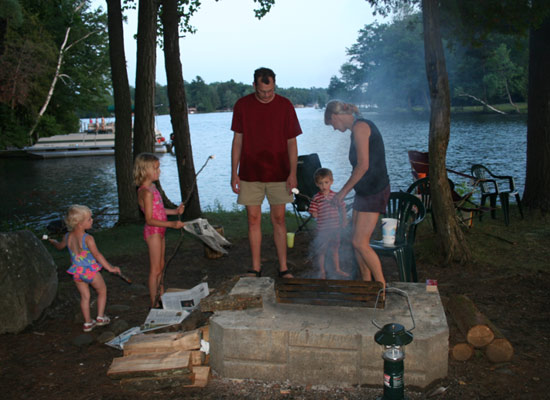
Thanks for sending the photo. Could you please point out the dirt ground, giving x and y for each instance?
(43, 363)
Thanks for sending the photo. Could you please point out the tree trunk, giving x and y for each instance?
(178, 110)
(144, 121)
(537, 181)
(127, 196)
(450, 235)
(33, 136)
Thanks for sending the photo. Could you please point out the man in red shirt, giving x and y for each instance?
(264, 156)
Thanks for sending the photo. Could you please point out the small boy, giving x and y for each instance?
(330, 220)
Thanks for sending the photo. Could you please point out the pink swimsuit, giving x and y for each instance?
(159, 213)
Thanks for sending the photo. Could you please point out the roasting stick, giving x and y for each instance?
(180, 240)
(125, 278)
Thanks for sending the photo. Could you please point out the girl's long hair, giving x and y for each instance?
(142, 164)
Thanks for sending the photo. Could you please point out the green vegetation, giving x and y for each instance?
(38, 36)
(221, 96)
(520, 246)
(386, 67)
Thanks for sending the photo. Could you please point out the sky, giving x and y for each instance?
(303, 41)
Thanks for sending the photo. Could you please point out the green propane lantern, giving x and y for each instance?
(393, 337)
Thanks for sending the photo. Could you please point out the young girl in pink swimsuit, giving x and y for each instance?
(86, 262)
(146, 172)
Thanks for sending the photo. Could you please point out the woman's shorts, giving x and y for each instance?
(375, 203)
(253, 193)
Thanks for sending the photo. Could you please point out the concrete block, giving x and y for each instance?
(312, 338)
(327, 345)
(261, 371)
(256, 345)
(323, 366)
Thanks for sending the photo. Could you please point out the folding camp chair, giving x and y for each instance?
(307, 165)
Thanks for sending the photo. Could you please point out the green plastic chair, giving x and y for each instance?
(491, 187)
(421, 189)
(409, 212)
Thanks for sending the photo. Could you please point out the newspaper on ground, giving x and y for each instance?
(185, 300)
(176, 307)
(205, 232)
(119, 341)
(161, 317)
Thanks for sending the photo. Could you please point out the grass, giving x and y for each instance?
(128, 239)
(521, 247)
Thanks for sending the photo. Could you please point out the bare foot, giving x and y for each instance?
(342, 273)
(286, 274)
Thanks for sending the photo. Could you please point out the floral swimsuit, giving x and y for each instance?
(159, 213)
(84, 265)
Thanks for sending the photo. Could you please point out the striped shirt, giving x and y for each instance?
(329, 216)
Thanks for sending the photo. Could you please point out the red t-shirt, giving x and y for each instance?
(266, 129)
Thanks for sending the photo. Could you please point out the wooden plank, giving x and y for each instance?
(205, 332)
(202, 376)
(332, 282)
(151, 364)
(328, 294)
(197, 358)
(163, 342)
(157, 382)
(336, 303)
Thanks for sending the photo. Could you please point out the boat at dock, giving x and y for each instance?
(83, 144)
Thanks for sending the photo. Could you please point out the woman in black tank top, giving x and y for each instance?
(369, 179)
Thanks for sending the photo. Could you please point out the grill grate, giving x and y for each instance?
(327, 292)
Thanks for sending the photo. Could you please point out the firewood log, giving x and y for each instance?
(462, 351)
(163, 342)
(500, 349)
(470, 321)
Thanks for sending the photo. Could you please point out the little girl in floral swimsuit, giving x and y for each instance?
(146, 172)
(86, 262)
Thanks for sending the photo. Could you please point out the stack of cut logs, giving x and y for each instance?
(163, 360)
(480, 333)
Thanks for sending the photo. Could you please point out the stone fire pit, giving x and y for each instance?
(328, 345)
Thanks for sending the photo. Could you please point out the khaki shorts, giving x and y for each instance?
(253, 193)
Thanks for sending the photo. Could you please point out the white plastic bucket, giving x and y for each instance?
(389, 225)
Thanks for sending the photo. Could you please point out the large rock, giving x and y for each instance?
(28, 280)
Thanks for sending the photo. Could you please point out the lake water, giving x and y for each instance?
(38, 191)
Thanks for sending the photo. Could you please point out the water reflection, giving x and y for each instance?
(41, 190)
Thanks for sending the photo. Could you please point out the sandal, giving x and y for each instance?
(252, 273)
(284, 273)
(88, 326)
(102, 321)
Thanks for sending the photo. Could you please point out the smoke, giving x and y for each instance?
(322, 249)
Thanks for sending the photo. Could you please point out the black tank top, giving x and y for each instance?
(376, 178)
